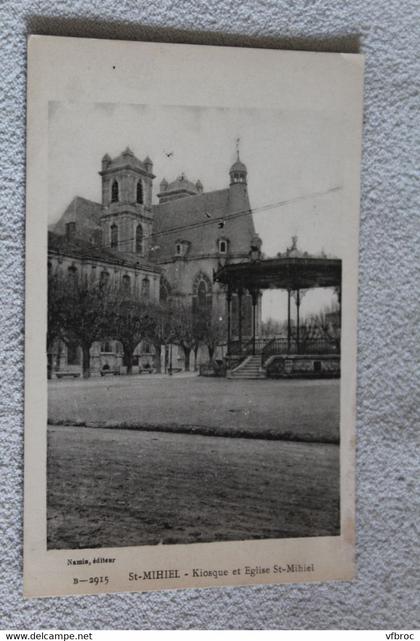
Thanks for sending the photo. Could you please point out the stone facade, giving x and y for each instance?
(168, 250)
(68, 254)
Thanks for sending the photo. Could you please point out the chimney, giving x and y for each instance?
(70, 230)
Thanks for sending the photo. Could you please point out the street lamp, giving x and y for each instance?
(298, 294)
(170, 358)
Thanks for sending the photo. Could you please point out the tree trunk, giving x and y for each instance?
(211, 351)
(86, 361)
(49, 365)
(195, 358)
(128, 357)
(187, 352)
(156, 357)
(166, 357)
(130, 362)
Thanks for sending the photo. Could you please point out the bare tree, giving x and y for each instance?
(272, 327)
(184, 329)
(327, 321)
(211, 330)
(56, 312)
(308, 331)
(85, 315)
(161, 330)
(130, 321)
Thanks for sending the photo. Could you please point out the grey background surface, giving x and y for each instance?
(384, 594)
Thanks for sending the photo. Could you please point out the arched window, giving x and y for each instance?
(202, 293)
(104, 278)
(145, 288)
(163, 290)
(114, 235)
(72, 272)
(126, 284)
(139, 239)
(115, 192)
(139, 194)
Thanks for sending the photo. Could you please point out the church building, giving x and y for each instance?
(166, 250)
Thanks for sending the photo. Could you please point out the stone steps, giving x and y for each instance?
(250, 370)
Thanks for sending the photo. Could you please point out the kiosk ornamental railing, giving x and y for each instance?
(267, 347)
(284, 346)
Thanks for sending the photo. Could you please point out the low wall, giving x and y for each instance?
(303, 366)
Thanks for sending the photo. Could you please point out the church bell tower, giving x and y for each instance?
(126, 218)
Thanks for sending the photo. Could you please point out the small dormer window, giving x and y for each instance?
(181, 247)
(223, 246)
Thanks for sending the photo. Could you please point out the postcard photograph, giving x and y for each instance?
(194, 288)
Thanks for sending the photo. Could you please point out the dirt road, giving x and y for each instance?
(120, 488)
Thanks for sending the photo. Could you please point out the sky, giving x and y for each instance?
(293, 161)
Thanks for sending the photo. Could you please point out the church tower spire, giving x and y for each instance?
(238, 171)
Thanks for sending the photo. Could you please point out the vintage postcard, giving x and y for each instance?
(191, 299)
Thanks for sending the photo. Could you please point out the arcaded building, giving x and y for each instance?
(164, 250)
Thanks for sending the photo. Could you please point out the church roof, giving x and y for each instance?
(181, 182)
(84, 250)
(188, 214)
(201, 220)
(85, 213)
(127, 158)
(181, 185)
(238, 166)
